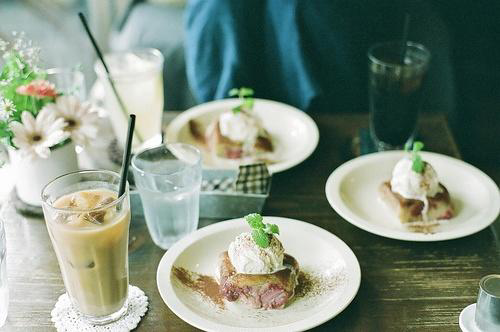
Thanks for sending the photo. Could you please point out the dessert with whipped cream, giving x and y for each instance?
(256, 269)
(237, 133)
(414, 191)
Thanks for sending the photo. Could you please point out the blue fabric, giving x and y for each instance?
(307, 53)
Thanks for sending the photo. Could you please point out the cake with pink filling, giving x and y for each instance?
(237, 133)
(256, 270)
(414, 192)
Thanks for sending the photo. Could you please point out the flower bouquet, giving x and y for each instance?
(40, 122)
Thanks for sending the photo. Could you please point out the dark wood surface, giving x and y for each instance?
(405, 285)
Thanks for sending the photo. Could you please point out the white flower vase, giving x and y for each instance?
(33, 175)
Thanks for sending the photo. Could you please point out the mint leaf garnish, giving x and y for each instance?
(255, 220)
(234, 92)
(248, 103)
(245, 92)
(261, 238)
(272, 229)
(237, 109)
(418, 164)
(245, 96)
(417, 146)
(261, 232)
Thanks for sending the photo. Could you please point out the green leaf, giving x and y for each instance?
(261, 238)
(17, 72)
(234, 92)
(245, 96)
(417, 146)
(261, 233)
(255, 221)
(407, 146)
(272, 229)
(5, 130)
(246, 92)
(236, 109)
(418, 164)
(248, 103)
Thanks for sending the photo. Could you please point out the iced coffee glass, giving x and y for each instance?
(88, 225)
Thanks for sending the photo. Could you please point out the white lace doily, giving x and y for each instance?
(67, 319)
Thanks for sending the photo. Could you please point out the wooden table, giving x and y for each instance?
(405, 285)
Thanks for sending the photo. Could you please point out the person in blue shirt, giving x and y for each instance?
(311, 54)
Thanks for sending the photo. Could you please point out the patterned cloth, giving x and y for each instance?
(225, 184)
(253, 179)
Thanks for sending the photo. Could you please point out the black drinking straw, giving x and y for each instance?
(108, 74)
(404, 39)
(126, 155)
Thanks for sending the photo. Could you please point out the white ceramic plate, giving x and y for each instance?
(295, 135)
(466, 319)
(352, 191)
(316, 250)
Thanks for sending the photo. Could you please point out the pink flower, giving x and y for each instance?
(38, 88)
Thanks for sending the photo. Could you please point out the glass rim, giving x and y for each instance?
(63, 70)
(100, 72)
(88, 171)
(142, 172)
(482, 282)
(414, 45)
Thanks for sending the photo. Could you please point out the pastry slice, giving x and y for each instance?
(224, 147)
(409, 210)
(268, 291)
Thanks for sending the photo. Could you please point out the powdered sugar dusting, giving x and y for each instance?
(317, 285)
(311, 284)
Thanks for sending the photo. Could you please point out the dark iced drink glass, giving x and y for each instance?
(395, 92)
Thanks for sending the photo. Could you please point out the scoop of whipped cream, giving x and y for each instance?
(247, 257)
(239, 127)
(412, 185)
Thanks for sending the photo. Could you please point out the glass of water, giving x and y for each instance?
(68, 81)
(168, 178)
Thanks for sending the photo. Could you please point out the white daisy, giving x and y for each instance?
(35, 136)
(7, 107)
(80, 118)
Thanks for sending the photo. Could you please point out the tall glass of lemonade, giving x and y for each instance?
(137, 76)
